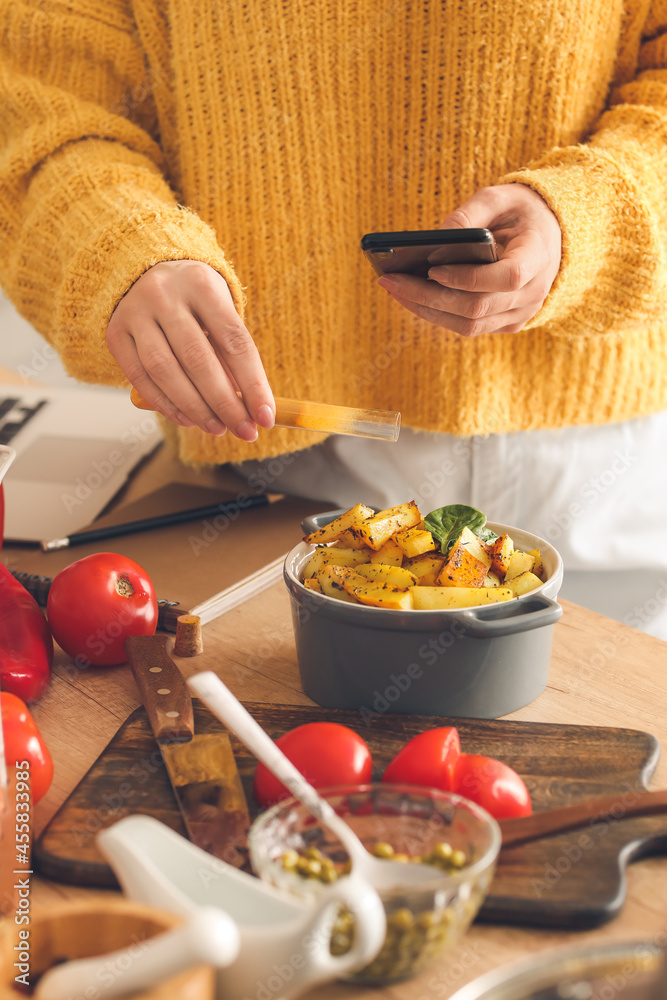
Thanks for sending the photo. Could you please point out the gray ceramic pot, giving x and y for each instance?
(478, 663)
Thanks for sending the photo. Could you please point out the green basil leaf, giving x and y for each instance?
(447, 523)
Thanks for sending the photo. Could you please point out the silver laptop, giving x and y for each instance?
(75, 447)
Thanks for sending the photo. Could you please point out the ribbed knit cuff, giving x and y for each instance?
(97, 216)
(102, 273)
(606, 280)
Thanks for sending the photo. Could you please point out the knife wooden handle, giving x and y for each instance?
(610, 809)
(162, 688)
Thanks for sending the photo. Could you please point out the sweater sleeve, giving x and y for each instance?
(610, 197)
(85, 203)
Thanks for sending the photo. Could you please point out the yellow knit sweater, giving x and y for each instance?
(265, 138)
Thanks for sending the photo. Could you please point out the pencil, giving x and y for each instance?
(160, 521)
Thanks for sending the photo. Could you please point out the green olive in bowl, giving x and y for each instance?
(292, 850)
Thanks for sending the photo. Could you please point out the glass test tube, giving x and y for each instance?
(384, 424)
(325, 417)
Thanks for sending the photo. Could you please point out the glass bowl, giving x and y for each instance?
(417, 823)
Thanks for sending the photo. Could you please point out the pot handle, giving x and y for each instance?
(477, 627)
(315, 521)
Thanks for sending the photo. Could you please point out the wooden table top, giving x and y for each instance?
(603, 673)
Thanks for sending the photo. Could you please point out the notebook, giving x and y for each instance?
(75, 448)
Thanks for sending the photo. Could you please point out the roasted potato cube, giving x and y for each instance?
(491, 580)
(520, 562)
(469, 540)
(311, 583)
(462, 571)
(325, 555)
(523, 583)
(467, 563)
(332, 578)
(391, 554)
(340, 573)
(425, 568)
(349, 521)
(538, 566)
(415, 541)
(432, 598)
(380, 595)
(351, 540)
(501, 553)
(378, 529)
(346, 557)
(317, 561)
(395, 576)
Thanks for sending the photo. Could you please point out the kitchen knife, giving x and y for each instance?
(610, 809)
(201, 768)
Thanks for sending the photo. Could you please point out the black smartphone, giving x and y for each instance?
(417, 252)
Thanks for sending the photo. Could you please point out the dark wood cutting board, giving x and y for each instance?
(575, 880)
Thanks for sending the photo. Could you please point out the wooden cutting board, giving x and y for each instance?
(576, 880)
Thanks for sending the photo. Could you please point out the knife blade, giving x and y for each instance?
(201, 767)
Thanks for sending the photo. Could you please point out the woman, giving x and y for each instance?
(183, 191)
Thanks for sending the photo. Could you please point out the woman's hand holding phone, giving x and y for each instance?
(471, 299)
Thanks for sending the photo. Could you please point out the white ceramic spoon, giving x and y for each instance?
(382, 873)
(208, 937)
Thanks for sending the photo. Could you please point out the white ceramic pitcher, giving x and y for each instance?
(284, 941)
(7, 456)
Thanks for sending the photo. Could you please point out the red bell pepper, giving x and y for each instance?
(24, 747)
(26, 644)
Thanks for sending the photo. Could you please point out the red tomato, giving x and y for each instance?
(492, 785)
(24, 744)
(95, 603)
(427, 759)
(326, 753)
